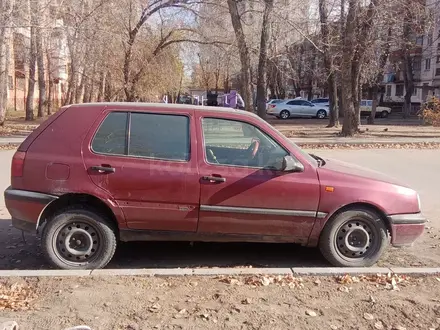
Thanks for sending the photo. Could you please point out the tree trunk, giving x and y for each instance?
(333, 101)
(108, 88)
(409, 84)
(101, 88)
(31, 83)
(328, 65)
(375, 92)
(349, 127)
(6, 9)
(262, 62)
(41, 78)
(51, 83)
(244, 54)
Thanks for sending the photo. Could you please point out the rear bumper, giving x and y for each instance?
(26, 207)
(406, 228)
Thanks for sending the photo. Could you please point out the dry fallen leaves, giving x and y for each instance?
(368, 316)
(264, 280)
(390, 281)
(371, 145)
(311, 313)
(16, 296)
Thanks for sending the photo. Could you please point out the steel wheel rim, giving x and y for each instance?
(356, 239)
(284, 114)
(77, 242)
(321, 114)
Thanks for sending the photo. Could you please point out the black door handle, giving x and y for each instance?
(104, 169)
(214, 179)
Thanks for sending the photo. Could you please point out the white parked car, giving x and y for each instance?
(366, 107)
(273, 101)
(298, 108)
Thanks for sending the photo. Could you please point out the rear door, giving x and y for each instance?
(147, 161)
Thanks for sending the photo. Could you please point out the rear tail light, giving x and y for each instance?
(18, 164)
(272, 106)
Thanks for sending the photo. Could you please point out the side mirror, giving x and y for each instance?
(291, 165)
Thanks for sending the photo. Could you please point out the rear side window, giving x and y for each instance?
(111, 137)
(155, 136)
(159, 136)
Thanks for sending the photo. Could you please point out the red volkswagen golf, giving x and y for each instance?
(94, 174)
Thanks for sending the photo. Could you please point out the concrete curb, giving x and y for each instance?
(303, 271)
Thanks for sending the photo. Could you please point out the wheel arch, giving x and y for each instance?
(84, 201)
(360, 205)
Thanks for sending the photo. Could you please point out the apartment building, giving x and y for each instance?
(55, 62)
(426, 64)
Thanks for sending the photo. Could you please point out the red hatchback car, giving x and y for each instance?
(93, 174)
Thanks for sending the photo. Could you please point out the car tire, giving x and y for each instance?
(354, 238)
(285, 114)
(321, 114)
(384, 114)
(77, 238)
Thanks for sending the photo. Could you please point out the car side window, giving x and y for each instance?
(370, 103)
(159, 136)
(294, 103)
(111, 137)
(236, 143)
(363, 103)
(306, 103)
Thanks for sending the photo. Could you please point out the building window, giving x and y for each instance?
(428, 64)
(414, 92)
(437, 72)
(10, 83)
(419, 40)
(399, 90)
(430, 39)
(417, 64)
(389, 90)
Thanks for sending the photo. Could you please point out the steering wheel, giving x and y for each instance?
(253, 148)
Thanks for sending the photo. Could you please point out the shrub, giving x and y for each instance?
(430, 111)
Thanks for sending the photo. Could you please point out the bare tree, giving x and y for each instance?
(357, 32)
(262, 62)
(244, 54)
(6, 10)
(329, 63)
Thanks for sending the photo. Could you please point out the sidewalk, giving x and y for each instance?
(364, 140)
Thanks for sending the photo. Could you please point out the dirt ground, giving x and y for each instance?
(229, 303)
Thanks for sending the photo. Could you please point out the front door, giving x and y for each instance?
(243, 192)
(147, 162)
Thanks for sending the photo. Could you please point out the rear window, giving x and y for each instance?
(111, 137)
(156, 136)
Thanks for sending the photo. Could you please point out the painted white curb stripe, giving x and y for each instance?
(304, 271)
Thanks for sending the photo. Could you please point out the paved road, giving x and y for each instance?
(419, 168)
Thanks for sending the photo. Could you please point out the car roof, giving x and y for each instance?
(159, 106)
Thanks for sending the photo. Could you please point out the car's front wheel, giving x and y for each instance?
(78, 239)
(384, 114)
(354, 238)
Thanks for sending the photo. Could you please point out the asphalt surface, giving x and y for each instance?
(418, 168)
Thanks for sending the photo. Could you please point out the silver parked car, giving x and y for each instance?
(298, 108)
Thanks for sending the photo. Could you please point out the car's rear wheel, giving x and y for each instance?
(284, 114)
(384, 114)
(321, 114)
(78, 239)
(354, 238)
